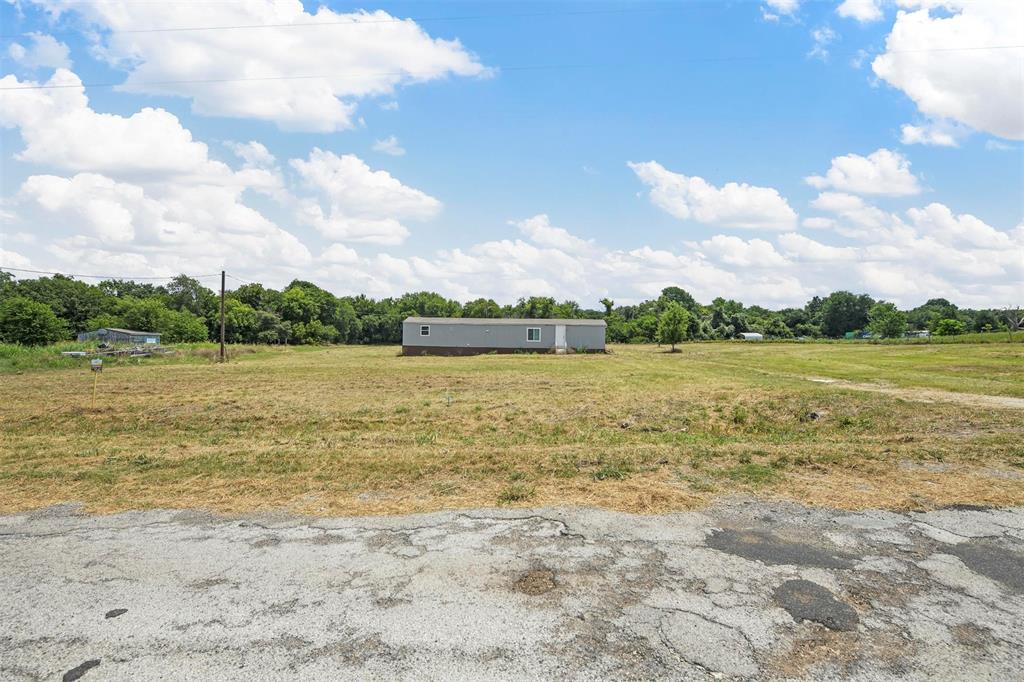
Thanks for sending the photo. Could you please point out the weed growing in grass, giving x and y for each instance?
(517, 492)
(739, 415)
(698, 484)
(615, 471)
(517, 476)
(754, 474)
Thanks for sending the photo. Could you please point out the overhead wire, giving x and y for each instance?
(121, 277)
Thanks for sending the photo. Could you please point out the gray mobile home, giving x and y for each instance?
(111, 335)
(473, 336)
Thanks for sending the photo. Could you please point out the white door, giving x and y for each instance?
(560, 336)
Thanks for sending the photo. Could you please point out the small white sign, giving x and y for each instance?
(96, 365)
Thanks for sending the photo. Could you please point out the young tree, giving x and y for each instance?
(673, 325)
(885, 320)
(948, 327)
(30, 323)
(608, 305)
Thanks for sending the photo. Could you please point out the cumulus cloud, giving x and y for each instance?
(42, 51)
(60, 129)
(733, 204)
(881, 172)
(540, 231)
(363, 205)
(300, 70)
(864, 11)
(978, 87)
(389, 145)
(755, 253)
(138, 190)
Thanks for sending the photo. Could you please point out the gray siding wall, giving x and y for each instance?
(500, 336)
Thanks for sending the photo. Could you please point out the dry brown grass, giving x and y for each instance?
(357, 430)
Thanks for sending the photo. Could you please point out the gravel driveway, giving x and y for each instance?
(745, 590)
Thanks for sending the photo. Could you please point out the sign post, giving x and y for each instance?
(96, 365)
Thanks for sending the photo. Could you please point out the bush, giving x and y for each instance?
(948, 327)
(29, 323)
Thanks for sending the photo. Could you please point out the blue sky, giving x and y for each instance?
(507, 171)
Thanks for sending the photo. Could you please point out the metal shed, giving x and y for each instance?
(112, 335)
(751, 336)
(473, 336)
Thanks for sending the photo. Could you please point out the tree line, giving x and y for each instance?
(49, 309)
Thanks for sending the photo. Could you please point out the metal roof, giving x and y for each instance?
(129, 331)
(505, 320)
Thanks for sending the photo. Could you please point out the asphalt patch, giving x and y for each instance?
(993, 562)
(805, 600)
(79, 670)
(114, 613)
(770, 549)
(536, 582)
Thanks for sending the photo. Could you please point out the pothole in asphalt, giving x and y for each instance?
(537, 581)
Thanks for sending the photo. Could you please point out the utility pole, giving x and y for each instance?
(222, 316)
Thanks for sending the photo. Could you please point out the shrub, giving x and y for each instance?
(29, 323)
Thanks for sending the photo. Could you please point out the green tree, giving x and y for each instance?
(481, 307)
(186, 293)
(673, 324)
(775, 328)
(948, 327)
(844, 312)
(29, 322)
(299, 305)
(608, 305)
(887, 321)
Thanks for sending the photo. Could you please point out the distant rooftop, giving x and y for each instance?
(505, 320)
(129, 331)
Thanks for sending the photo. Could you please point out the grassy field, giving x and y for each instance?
(351, 430)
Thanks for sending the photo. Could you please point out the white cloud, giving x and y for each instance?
(733, 204)
(823, 36)
(935, 133)
(773, 10)
(306, 71)
(755, 253)
(141, 191)
(60, 129)
(805, 249)
(254, 154)
(978, 87)
(339, 253)
(363, 205)
(864, 11)
(43, 51)
(389, 145)
(541, 232)
(13, 259)
(881, 172)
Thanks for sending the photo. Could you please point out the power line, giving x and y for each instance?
(121, 277)
(411, 74)
(239, 279)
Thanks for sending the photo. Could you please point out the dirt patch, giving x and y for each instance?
(535, 582)
(928, 395)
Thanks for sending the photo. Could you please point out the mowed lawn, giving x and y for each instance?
(354, 430)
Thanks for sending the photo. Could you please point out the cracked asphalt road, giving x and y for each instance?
(745, 589)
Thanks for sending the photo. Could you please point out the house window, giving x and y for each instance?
(425, 330)
(533, 333)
